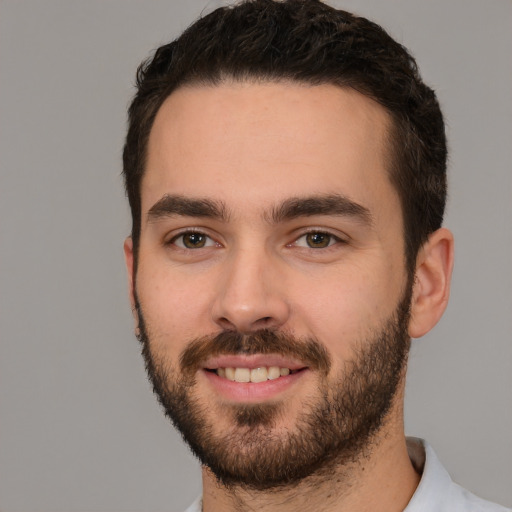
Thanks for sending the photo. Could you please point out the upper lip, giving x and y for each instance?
(253, 361)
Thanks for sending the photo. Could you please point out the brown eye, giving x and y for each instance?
(193, 240)
(318, 240)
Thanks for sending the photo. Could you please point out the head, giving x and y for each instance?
(312, 43)
(285, 167)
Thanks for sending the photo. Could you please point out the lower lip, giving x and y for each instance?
(251, 392)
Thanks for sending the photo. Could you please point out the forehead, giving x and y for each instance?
(256, 143)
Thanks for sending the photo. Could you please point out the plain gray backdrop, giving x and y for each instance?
(79, 427)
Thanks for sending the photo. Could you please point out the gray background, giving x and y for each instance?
(79, 427)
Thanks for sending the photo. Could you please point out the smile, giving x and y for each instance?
(253, 378)
(256, 375)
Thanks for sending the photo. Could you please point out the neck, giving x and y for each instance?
(381, 479)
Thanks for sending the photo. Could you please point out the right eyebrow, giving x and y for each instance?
(172, 205)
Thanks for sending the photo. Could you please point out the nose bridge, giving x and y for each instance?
(250, 294)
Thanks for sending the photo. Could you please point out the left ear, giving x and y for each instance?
(431, 289)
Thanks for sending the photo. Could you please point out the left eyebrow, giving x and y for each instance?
(332, 204)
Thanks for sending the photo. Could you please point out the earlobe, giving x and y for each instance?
(432, 282)
(128, 258)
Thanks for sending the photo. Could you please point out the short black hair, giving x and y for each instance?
(309, 42)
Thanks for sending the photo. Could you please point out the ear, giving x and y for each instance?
(431, 288)
(128, 258)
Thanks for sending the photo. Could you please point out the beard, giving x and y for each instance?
(335, 427)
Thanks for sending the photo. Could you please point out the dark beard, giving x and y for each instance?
(335, 429)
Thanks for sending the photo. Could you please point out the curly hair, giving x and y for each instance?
(312, 43)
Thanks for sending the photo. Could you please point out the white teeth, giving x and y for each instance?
(242, 375)
(252, 375)
(259, 374)
(274, 372)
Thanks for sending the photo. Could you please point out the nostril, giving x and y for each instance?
(226, 323)
(263, 321)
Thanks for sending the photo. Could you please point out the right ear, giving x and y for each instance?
(128, 258)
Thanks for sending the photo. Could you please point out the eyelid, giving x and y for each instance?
(185, 231)
(338, 237)
(170, 239)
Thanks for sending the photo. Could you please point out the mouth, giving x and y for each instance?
(253, 378)
(255, 375)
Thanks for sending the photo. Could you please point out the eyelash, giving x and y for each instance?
(181, 235)
(333, 240)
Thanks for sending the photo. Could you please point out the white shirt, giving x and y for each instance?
(436, 491)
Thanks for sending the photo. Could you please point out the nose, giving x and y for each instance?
(251, 293)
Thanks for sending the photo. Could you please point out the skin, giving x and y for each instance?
(253, 146)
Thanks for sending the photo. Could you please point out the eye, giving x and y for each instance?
(316, 240)
(192, 240)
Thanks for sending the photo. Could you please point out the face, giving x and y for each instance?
(271, 286)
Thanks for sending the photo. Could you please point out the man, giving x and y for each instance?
(286, 171)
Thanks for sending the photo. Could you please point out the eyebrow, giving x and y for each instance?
(171, 205)
(332, 204)
(292, 208)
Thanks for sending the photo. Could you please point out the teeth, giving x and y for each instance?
(242, 375)
(273, 372)
(259, 374)
(252, 375)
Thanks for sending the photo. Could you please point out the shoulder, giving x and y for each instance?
(464, 500)
(437, 491)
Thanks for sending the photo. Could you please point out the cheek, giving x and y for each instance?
(175, 306)
(346, 306)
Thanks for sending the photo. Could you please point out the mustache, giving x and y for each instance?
(265, 341)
